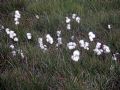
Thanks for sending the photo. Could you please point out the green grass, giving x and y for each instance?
(54, 70)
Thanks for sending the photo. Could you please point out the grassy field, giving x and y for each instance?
(54, 69)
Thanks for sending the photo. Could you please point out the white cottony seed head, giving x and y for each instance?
(71, 45)
(13, 53)
(76, 56)
(49, 39)
(29, 36)
(106, 49)
(68, 20)
(58, 33)
(37, 16)
(91, 36)
(84, 44)
(68, 26)
(74, 16)
(43, 47)
(78, 19)
(17, 16)
(16, 39)
(109, 26)
(7, 31)
(12, 46)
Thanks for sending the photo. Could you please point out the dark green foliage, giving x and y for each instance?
(55, 70)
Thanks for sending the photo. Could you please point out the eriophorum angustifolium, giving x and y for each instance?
(59, 45)
(17, 17)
